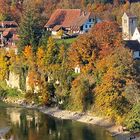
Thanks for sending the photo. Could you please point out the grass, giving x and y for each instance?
(65, 41)
(10, 92)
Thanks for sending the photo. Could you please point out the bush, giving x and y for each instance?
(133, 118)
(6, 91)
(13, 92)
(81, 95)
(3, 93)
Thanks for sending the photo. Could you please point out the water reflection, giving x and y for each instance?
(32, 125)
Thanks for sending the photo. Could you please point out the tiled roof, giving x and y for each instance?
(81, 19)
(64, 17)
(57, 27)
(68, 18)
(8, 23)
(9, 30)
(133, 45)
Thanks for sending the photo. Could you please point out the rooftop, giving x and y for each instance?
(68, 18)
(133, 45)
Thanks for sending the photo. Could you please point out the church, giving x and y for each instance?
(131, 34)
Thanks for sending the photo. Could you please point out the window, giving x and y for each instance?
(86, 26)
(125, 21)
(89, 26)
(90, 20)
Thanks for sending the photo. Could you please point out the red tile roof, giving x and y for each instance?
(67, 18)
(9, 30)
(8, 23)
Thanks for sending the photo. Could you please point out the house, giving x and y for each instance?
(136, 35)
(131, 34)
(7, 29)
(134, 46)
(70, 21)
(8, 24)
(8, 35)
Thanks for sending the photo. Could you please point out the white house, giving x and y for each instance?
(131, 34)
(71, 21)
(136, 35)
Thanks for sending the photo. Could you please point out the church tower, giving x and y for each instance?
(129, 24)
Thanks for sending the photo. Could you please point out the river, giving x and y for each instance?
(26, 124)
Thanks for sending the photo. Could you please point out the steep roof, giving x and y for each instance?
(8, 23)
(133, 45)
(81, 19)
(68, 18)
(63, 17)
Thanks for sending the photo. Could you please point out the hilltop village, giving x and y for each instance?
(83, 58)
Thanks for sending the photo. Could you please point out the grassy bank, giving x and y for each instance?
(10, 93)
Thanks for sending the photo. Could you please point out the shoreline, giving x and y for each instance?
(109, 126)
(114, 130)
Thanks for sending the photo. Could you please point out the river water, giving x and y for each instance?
(25, 124)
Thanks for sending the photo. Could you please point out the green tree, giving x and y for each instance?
(81, 96)
(133, 118)
(30, 28)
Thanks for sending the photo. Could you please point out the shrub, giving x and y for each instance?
(133, 118)
(3, 93)
(81, 95)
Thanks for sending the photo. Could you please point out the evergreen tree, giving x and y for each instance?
(30, 29)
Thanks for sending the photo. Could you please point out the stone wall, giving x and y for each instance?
(14, 80)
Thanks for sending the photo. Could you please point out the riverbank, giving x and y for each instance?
(88, 118)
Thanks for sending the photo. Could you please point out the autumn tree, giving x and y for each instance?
(3, 65)
(4, 10)
(107, 36)
(113, 73)
(83, 52)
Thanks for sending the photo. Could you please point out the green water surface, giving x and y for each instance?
(25, 124)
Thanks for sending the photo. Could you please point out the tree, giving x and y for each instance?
(83, 52)
(81, 96)
(4, 10)
(113, 73)
(3, 65)
(132, 121)
(51, 54)
(30, 28)
(107, 36)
